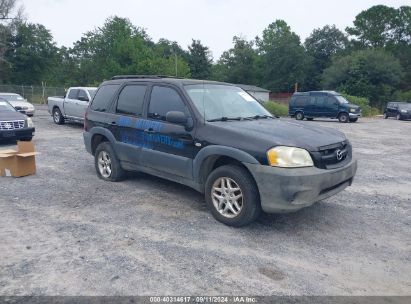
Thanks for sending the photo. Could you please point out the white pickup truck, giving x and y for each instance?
(72, 106)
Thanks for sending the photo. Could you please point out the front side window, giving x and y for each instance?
(82, 95)
(103, 97)
(131, 100)
(164, 100)
(215, 101)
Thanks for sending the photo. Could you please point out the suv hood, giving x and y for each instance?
(11, 115)
(267, 133)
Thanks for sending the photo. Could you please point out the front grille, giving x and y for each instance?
(11, 125)
(333, 156)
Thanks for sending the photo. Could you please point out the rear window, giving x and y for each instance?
(300, 101)
(103, 97)
(73, 94)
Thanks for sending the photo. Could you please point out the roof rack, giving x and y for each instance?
(141, 77)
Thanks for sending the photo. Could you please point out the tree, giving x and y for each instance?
(238, 64)
(283, 59)
(10, 16)
(31, 54)
(375, 27)
(119, 47)
(199, 60)
(368, 73)
(321, 45)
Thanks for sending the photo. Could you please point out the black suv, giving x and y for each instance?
(399, 110)
(217, 139)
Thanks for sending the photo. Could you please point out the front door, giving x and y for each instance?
(168, 147)
(70, 103)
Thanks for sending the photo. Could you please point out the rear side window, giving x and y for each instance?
(104, 95)
(163, 100)
(131, 100)
(300, 101)
(73, 94)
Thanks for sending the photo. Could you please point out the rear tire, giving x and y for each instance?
(229, 206)
(107, 164)
(299, 116)
(343, 118)
(57, 116)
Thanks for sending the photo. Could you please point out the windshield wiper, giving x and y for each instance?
(224, 118)
(261, 116)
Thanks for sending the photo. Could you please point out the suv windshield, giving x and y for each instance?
(5, 106)
(341, 99)
(224, 102)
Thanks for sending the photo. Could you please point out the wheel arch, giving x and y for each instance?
(212, 157)
(100, 135)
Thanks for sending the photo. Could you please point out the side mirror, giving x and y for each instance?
(83, 98)
(176, 117)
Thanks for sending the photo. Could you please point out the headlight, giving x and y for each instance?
(30, 123)
(289, 157)
(403, 111)
(352, 110)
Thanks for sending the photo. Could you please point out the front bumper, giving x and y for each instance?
(16, 134)
(285, 190)
(354, 115)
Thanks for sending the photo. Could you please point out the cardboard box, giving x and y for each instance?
(18, 163)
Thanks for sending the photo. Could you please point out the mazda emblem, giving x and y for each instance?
(339, 154)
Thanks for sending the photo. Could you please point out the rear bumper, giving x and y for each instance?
(16, 134)
(285, 190)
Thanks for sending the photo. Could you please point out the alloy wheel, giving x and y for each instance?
(104, 164)
(227, 197)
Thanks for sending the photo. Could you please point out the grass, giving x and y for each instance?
(277, 109)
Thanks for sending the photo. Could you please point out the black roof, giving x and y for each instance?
(162, 78)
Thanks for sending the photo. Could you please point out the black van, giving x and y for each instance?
(327, 104)
(399, 110)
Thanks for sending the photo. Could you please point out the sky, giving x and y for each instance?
(214, 22)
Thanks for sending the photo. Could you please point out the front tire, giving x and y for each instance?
(343, 117)
(232, 196)
(310, 118)
(353, 119)
(299, 116)
(385, 116)
(399, 117)
(57, 116)
(107, 164)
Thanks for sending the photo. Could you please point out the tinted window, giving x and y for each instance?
(163, 100)
(320, 100)
(103, 97)
(131, 99)
(73, 94)
(301, 101)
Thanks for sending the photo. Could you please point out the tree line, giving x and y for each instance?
(371, 58)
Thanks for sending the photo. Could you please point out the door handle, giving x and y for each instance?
(149, 131)
(113, 123)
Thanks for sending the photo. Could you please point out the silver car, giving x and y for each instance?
(19, 103)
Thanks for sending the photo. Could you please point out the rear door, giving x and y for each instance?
(168, 147)
(70, 103)
(81, 104)
(127, 127)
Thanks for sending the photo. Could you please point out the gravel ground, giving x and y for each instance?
(66, 232)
